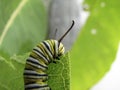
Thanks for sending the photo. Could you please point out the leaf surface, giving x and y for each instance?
(96, 47)
(59, 74)
(25, 26)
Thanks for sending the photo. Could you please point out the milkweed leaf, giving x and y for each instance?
(59, 74)
(22, 27)
(96, 47)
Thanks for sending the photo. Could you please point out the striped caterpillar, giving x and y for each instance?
(46, 52)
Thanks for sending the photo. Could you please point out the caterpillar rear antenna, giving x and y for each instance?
(73, 22)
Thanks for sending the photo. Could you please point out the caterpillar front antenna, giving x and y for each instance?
(67, 31)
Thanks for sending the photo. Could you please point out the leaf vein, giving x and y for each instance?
(11, 20)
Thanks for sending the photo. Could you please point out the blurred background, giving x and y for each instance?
(93, 42)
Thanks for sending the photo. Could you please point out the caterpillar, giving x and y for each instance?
(46, 52)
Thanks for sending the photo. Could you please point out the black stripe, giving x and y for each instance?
(41, 54)
(28, 60)
(47, 47)
(61, 48)
(45, 51)
(28, 69)
(54, 56)
(30, 82)
(34, 74)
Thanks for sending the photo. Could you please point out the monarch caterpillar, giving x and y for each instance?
(46, 52)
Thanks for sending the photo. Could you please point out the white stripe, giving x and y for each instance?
(50, 48)
(31, 71)
(38, 66)
(48, 45)
(33, 85)
(48, 52)
(32, 64)
(34, 76)
(40, 55)
(37, 48)
(11, 20)
(33, 59)
(56, 47)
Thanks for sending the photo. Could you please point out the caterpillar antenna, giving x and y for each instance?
(67, 31)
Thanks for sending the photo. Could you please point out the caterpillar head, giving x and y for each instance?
(58, 50)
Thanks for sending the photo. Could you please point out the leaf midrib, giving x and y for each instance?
(11, 19)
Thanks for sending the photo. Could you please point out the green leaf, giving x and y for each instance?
(6, 10)
(96, 47)
(11, 73)
(59, 74)
(22, 27)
